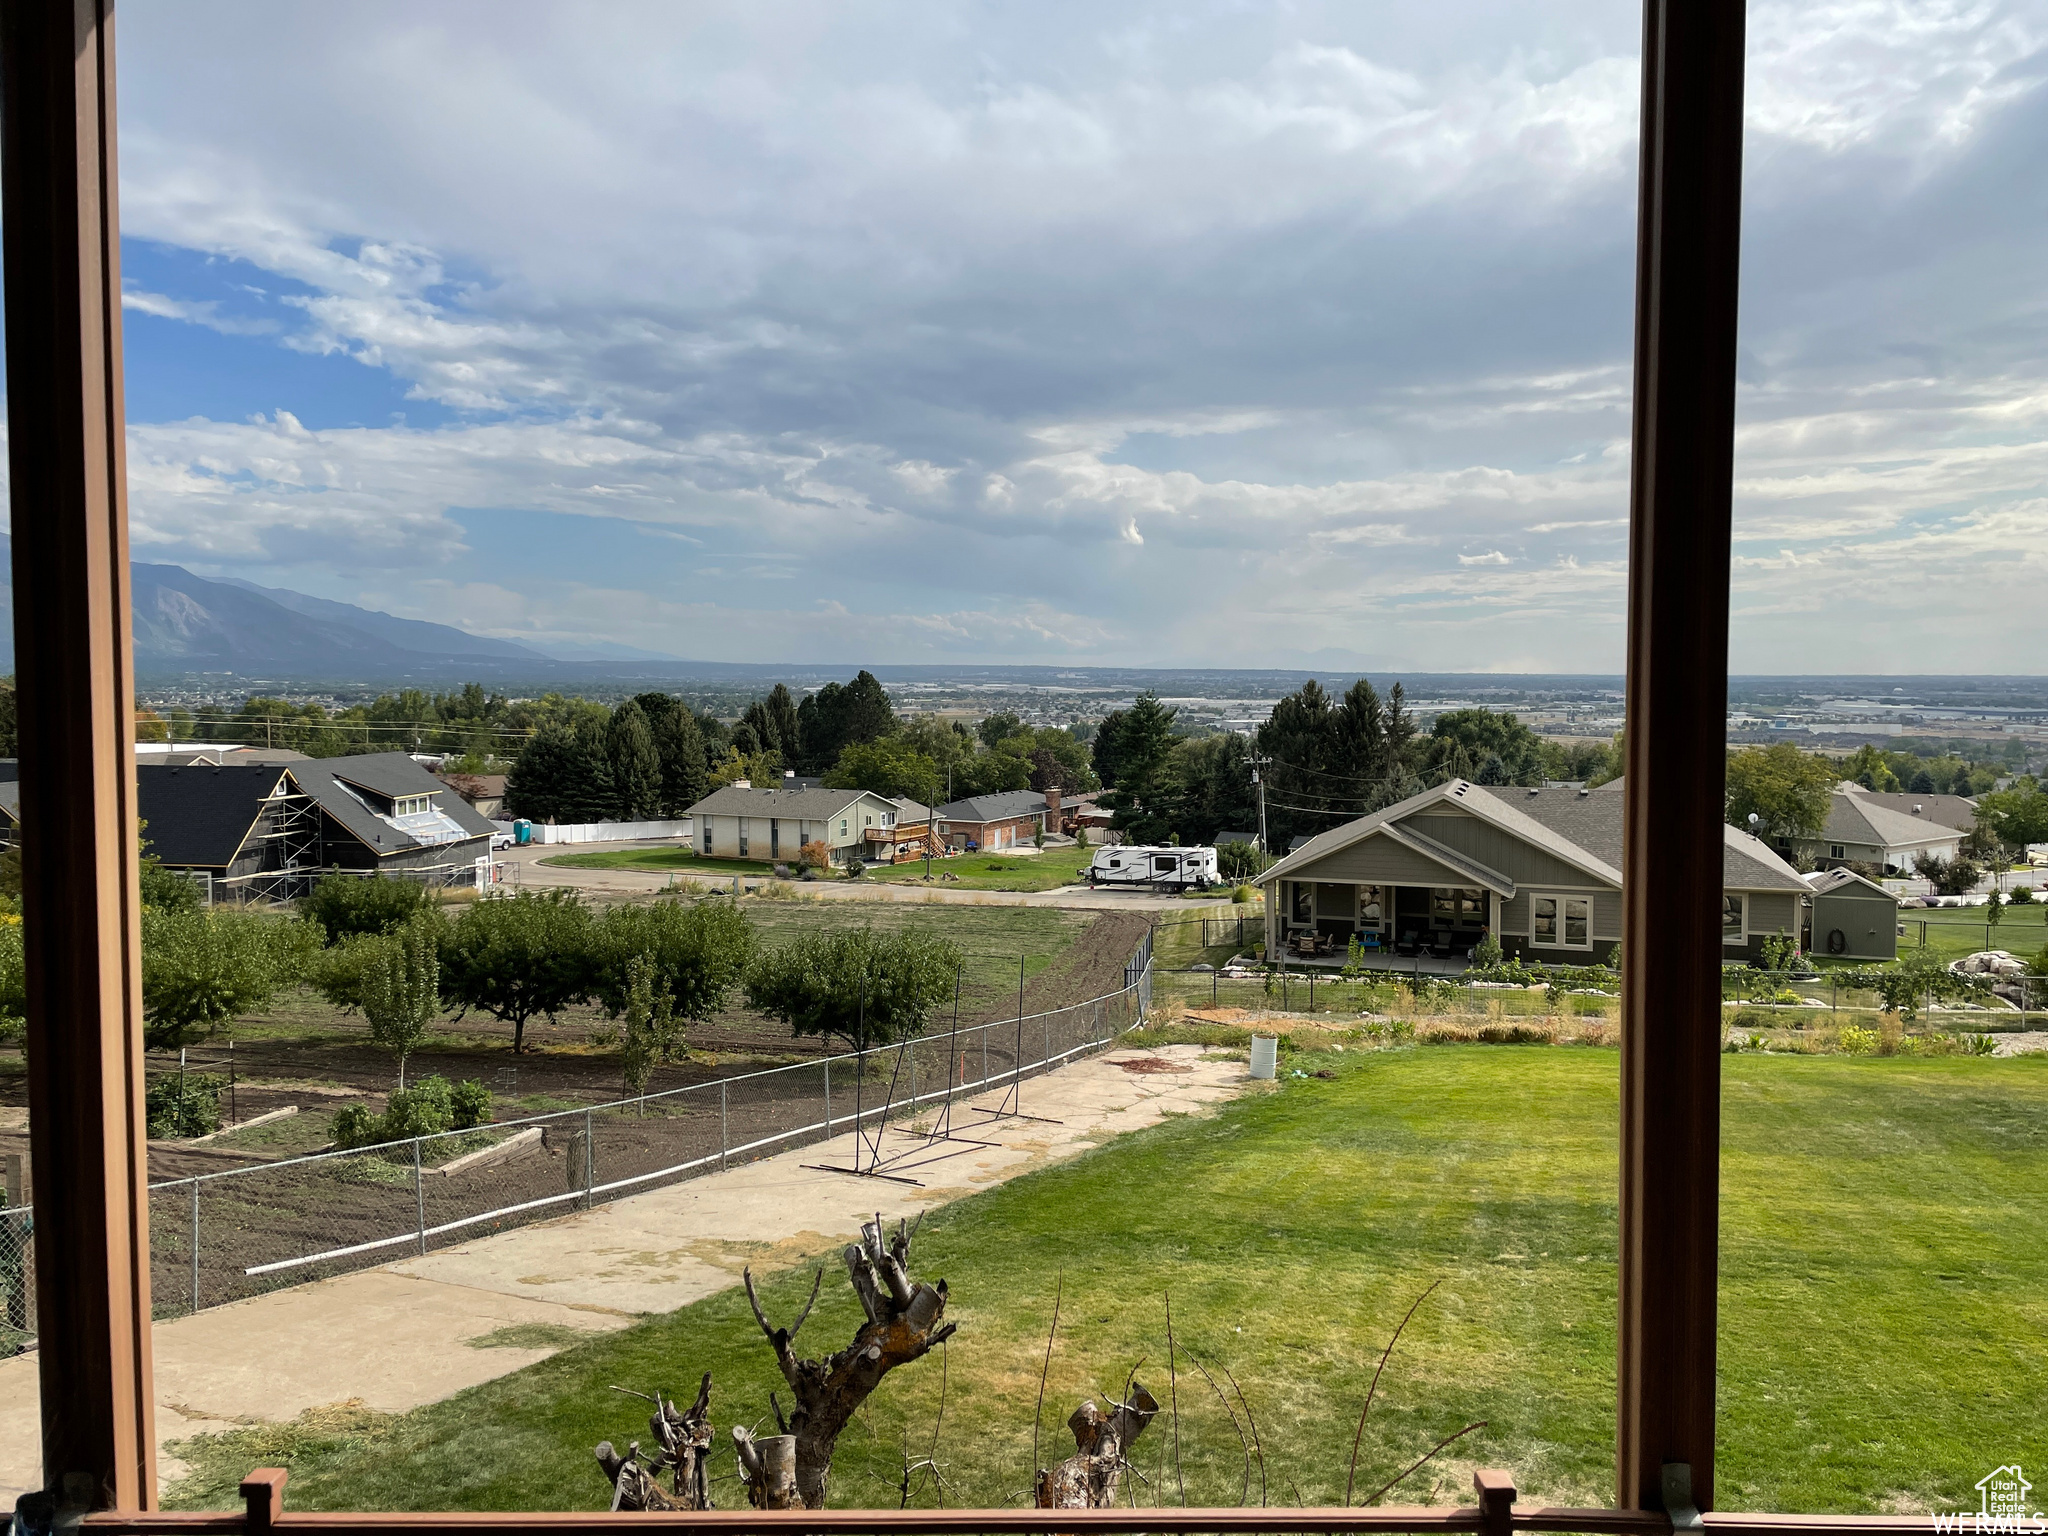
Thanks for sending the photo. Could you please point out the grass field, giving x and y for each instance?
(1040, 871)
(1884, 1302)
(991, 938)
(1953, 932)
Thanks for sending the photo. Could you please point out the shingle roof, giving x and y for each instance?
(199, 817)
(1956, 811)
(1858, 819)
(1594, 820)
(388, 775)
(997, 807)
(794, 804)
(1826, 880)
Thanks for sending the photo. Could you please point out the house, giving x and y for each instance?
(741, 822)
(270, 829)
(1958, 811)
(1851, 917)
(1862, 829)
(1540, 869)
(485, 792)
(1002, 820)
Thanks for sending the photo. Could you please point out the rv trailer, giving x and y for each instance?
(1175, 869)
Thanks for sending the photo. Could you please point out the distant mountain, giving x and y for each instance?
(407, 634)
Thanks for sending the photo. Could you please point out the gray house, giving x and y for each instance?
(1540, 869)
(1863, 828)
(740, 822)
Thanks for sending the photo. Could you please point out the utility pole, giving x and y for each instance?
(1259, 761)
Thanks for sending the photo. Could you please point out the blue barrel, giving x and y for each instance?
(522, 831)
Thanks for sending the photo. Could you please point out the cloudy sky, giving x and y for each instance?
(1285, 334)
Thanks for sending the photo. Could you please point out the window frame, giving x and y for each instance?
(1561, 917)
(1741, 903)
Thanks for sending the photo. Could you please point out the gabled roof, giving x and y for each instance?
(1750, 864)
(1859, 819)
(789, 804)
(1462, 864)
(337, 784)
(1224, 838)
(1958, 811)
(1826, 880)
(198, 817)
(1593, 820)
(1470, 797)
(997, 807)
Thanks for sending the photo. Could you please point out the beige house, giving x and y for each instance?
(1537, 868)
(770, 825)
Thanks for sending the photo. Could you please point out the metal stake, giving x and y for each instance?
(589, 1158)
(721, 1123)
(195, 1245)
(828, 1096)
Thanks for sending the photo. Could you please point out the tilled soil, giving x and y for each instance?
(246, 1221)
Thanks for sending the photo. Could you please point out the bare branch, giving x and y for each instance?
(1059, 1287)
(1245, 1493)
(1425, 1456)
(1173, 1391)
(796, 1327)
(1258, 1449)
(1359, 1439)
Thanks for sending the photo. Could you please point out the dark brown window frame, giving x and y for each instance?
(75, 690)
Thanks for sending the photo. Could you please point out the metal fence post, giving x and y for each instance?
(589, 1158)
(828, 1095)
(721, 1124)
(984, 1055)
(195, 1245)
(419, 1191)
(1212, 988)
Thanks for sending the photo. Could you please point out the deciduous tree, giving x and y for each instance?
(400, 989)
(517, 956)
(1787, 790)
(865, 988)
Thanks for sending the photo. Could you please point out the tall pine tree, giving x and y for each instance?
(588, 794)
(635, 766)
(539, 779)
(680, 748)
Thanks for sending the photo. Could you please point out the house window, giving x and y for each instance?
(1561, 922)
(1304, 902)
(842, 826)
(1443, 908)
(1834, 850)
(1471, 906)
(743, 837)
(1734, 918)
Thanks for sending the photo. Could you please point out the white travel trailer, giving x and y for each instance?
(1173, 868)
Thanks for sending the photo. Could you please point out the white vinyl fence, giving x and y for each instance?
(607, 831)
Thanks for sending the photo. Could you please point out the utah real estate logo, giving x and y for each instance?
(2002, 1510)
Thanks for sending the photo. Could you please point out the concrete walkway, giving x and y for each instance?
(402, 1335)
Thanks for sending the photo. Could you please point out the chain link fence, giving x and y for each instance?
(220, 1237)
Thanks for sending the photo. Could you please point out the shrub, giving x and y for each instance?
(1239, 861)
(469, 1102)
(344, 905)
(1245, 895)
(1855, 1040)
(855, 869)
(13, 982)
(167, 890)
(2022, 896)
(424, 1109)
(354, 1126)
(184, 1105)
(1487, 952)
(814, 855)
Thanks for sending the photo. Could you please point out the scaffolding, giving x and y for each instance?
(294, 847)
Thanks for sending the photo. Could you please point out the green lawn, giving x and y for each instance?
(1884, 1302)
(1953, 932)
(1039, 871)
(992, 938)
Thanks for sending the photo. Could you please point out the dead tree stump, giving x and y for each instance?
(768, 1468)
(1089, 1478)
(903, 1325)
(685, 1443)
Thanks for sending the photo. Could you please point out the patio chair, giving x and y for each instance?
(1410, 943)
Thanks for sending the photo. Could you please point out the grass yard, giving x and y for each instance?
(1037, 871)
(1953, 932)
(992, 938)
(1884, 1303)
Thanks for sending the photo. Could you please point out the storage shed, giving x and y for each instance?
(1853, 918)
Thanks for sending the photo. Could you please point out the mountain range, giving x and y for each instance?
(186, 624)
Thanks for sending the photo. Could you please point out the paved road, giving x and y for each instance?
(531, 870)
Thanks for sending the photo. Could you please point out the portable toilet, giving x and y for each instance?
(522, 831)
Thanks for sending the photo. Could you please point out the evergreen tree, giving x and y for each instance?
(834, 717)
(635, 766)
(587, 792)
(539, 780)
(1106, 753)
(715, 736)
(779, 710)
(681, 751)
(1142, 802)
